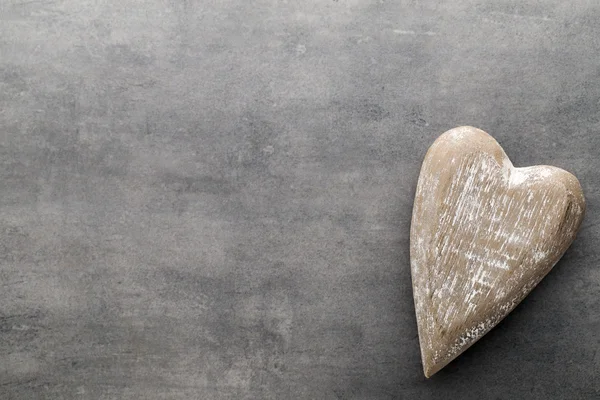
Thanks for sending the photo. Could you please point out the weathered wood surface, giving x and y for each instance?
(483, 235)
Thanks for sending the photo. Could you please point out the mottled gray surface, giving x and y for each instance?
(211, 199)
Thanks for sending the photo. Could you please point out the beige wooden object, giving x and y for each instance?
(483, 235)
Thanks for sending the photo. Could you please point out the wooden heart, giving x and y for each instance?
(483, 235)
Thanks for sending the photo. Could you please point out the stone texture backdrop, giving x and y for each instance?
(211, 199)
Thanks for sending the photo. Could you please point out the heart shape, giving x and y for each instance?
(483, 235)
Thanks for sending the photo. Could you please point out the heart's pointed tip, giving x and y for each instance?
(430, 370)
(427, 373)
(432, 365)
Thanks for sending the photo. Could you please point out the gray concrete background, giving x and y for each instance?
(211, 199)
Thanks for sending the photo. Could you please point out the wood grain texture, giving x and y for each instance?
(483, 235)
